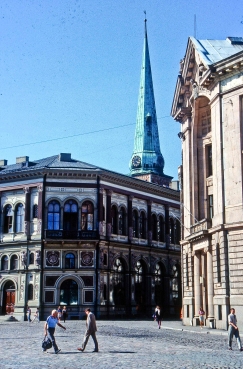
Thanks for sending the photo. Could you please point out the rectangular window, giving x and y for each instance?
(187, 311)
(88, 296)
(49, 296)
(186, 270)
(220, 312)
(209, 160)
(210, 206)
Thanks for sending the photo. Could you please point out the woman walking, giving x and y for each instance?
(64, 313)
(158, 315)
(201, 314)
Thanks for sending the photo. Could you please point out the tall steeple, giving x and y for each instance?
(147, 157)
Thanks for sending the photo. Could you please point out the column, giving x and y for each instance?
(196, 282)
(210, 282)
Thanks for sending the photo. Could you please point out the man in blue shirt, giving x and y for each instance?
(49, 328)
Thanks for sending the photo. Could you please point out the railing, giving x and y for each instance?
(71, 235)
(202, 225)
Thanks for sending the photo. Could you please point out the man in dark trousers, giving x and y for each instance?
(233, 329)
(90, 331)
(49, 328)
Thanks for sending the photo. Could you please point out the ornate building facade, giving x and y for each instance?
(77, 235)
(208, 104)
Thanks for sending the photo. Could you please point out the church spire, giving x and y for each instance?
(146, 157)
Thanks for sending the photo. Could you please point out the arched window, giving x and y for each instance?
(19, 218)
(142, 225)
(53, 216)
(122, 221)
(31, 258)
(70, 216)
(5, 262)
(30, 292)
(159, 274)
(140, 285)
(69, 261)
(35, 211)
(87, 223)
(135, 223)
(154, 227)
(114, 219)
(161, 229)
(69, 292)
(14, 262)
(8, 219)
(119, 282)
(172, 231)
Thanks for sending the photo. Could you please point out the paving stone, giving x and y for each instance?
(122, 344)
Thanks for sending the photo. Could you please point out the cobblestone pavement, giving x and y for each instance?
(122, 344)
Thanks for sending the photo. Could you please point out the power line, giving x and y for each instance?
(71, 136)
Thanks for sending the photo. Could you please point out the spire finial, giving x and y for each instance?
(145, 21)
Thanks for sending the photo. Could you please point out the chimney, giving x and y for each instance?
(3, 162)
(64, 157)
(22, 159)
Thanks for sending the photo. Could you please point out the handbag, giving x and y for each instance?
(46, 343)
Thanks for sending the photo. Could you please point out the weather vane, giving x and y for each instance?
(145, 20)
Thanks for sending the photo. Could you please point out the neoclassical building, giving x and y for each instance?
(208, 105)
(77, 235)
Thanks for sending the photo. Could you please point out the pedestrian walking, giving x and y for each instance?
(59, 313)
(157, 315)
(37, 316)
(64, 313)
(201, 314)
(90, 331)
(233, 329)
(49, 329)
(28, 309)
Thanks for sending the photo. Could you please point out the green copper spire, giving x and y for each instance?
(146, 157)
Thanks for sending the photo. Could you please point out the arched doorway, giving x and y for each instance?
(8, 298)
(69, 292)
(140, 286)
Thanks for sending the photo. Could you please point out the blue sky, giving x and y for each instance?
(70, 70)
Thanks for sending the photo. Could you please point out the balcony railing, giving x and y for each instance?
(71, 235)
(202, 225)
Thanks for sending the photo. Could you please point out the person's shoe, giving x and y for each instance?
(230, 348)
(95, 351)
(80, 349)
(241, 349)
(56, 352)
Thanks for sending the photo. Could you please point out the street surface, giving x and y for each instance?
(122, 344)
